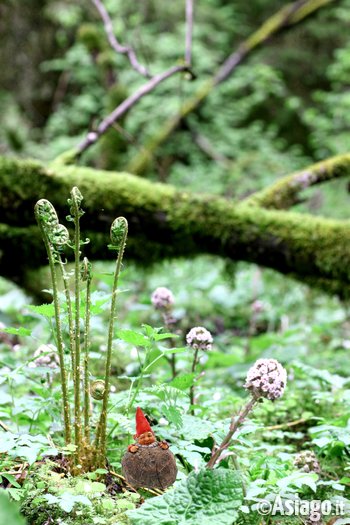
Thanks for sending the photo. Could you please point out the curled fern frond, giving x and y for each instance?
(119, 231)
(97, 389)
(86, 270)
(75, 204)
(46, 214)
(59, 235)
(47, 217)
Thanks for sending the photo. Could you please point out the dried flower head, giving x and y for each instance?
(267, 378)
(257, 306)
(45, 355)
(307, 461)
(199, 338)
(162, 298)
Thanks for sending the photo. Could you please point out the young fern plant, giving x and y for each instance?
(89, 451)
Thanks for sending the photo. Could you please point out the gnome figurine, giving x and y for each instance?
(148, 463)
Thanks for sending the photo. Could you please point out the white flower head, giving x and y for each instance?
(267, 378)
(162, 298)
(199, 338)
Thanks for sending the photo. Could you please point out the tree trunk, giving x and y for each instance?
(167, 222)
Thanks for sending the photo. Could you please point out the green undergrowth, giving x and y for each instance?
(50, 495)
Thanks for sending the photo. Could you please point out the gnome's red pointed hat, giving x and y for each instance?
(142, 424)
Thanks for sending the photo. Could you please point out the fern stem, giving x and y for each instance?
(102, 426)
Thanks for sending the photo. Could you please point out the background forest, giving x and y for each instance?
(284, 107)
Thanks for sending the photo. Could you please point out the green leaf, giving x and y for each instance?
(134, 338)
(203, 498)
(11, 479)
(16, 331)
(46, 310)
(160, 337)
(9, 512)
(183, 382)
(298, 479)
(174, 350)
(173, 415)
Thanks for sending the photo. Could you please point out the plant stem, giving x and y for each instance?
(86, 361)
(102, 425)
(69, 311)
(172, 359)
(50, 254)
(76, 371)
(235, 423)
(194, 364)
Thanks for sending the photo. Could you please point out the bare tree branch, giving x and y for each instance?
(124, 50)
(275, 23)
(287, 16)
(189, 31)
(120, 110)
(284, 193)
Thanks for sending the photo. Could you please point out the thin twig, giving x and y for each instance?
(286, 17)
(287, 425)
(124, 50)
(120, 110)
(189, 32)
(4, 427)
(273, 25)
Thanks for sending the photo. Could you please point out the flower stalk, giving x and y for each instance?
(265, 379)
(198, 338)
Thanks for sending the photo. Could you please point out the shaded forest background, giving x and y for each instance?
(285, 107)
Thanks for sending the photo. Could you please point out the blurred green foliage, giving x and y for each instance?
(286, 106)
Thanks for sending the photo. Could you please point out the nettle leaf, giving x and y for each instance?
(16, 331)
(134, 338)
(204, 497)
(173, 350)
(160, 337)
(195, 428)
(183, 382)
(46, 310)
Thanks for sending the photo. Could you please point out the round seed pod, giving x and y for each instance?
(97, 389)
(151, 467)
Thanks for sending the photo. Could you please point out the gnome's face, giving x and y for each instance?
(146, 439)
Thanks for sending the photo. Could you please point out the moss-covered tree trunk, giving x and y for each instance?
(167, 222)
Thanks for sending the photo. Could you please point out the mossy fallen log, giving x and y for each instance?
(167, 222)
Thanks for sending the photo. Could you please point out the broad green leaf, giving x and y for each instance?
(16, 331)
(9, 512)
(134, 338)
(183, 382)
(195, 428)
(46, 310)
(298, 479)
(204, 498)
(160, 337)
(174, 350)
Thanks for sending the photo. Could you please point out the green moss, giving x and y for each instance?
(165, 222)
(284, 193)
(47, 492)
